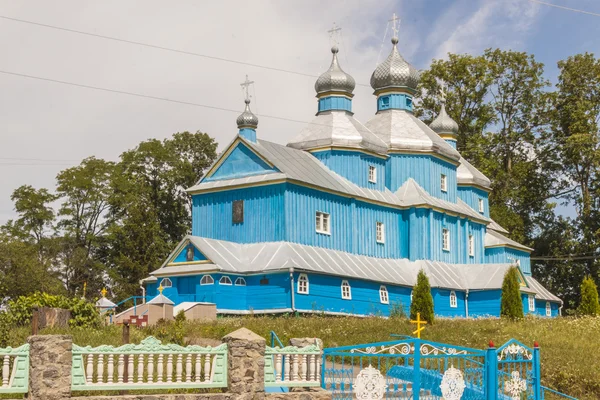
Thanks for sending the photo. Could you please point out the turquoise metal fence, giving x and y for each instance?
(411, 368)
(15, 369)
(551, 394)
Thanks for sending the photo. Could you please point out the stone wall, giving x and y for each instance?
(50, 362)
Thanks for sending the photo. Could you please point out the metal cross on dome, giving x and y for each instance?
(443, 90)
(334, 34)
(245, 87)
(395, 24)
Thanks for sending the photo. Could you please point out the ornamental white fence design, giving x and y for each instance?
(293, 366)
(148, 365)
(15, 369)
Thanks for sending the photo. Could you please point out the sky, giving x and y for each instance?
(48, 126)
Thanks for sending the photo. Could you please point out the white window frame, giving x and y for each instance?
(372, 174)
(453, 299)
(225, 280)
(444, 183)
(384, 296)
(240, 281)
(380, 232)
(531, 302)
(164, 281)
(303, 284)
(323, 223)
(471, 246)
(411, 296)
(445, 239)
(548, 309)
(481, 205)
(346, 290)
(209, 278)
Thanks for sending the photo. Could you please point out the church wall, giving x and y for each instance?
(239, 163)
(540, 308)
(441, 303)
(263, 217)
(365, 230)
(484, 303)
(499, 255)
(471, 196)
(274, 294)
(425, 170)
(354, 166)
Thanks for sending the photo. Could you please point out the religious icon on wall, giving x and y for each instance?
(189, 255)
(238, 211)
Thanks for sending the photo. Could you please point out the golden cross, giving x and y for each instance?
(160, 289)
(104, 291)
(419, 322)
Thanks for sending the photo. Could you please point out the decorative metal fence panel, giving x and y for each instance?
(293, 366)
(148, 365)
(405, 369)
(518, 373)
(15, 369)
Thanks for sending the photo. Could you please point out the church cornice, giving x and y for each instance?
(345, 148)
(428, 153)
(523, 249)
(473, 185)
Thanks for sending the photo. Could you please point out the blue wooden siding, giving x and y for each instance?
(540, 308)
(182, 256)
(263, 215)
(272, 295)
(335, 103)
(354, 166)
(499, 255)
(484, 303)
(471, 196)
(395, 101)
(239, 163)
(451, 143)
(441, 303)
(426, 170)
(248, 133)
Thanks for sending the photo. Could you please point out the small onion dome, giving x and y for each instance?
(443, 123)
(247, 119)
(335, 79)
(395, 72)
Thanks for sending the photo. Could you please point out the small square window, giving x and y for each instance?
(322, 223)
(238, 211)
(444, 183)
(480, 205)
(409, 103)
(471, 246)
(372, 174)
(445, 239)
(385, 102)
(380, 227)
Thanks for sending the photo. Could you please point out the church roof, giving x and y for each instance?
(496, 226)
(337, 128)
(276, 256)
(335, 79)
(496, 239)
(301, 166)
(401, 130)
(395, 72)
(467, 174)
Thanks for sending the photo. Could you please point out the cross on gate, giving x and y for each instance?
(418, 322)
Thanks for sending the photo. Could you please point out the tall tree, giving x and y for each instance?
(511, 304)
(422, 301)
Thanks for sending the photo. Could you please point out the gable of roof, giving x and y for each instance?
(239, 161)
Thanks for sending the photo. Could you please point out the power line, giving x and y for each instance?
(157, 47)
(566, 8)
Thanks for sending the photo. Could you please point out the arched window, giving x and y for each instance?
(303, 284)
(453, 300)
(240, 282)
(346, 291)
(383, 295)
(531, 302)
(207, 280)
(225, 280)
(165, 283)
(548, 309)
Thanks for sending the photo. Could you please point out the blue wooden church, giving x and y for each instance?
(342, 218)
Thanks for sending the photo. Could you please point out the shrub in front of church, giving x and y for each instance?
(511, 306)
(589, 298)
(422, 301)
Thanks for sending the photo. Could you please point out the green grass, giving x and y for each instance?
(570, 347)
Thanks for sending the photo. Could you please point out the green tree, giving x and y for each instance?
(511, 303)
(422, 301)
(589, 298)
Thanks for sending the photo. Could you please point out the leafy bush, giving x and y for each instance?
(422, 300)
(83, 314)
(511, 305)
(589, 298)
(397, 310)
(180, 317)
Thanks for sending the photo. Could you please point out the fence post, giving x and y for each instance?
(50, 362)
(491, 372)
(416, 384)
(246, 364)
(537, 371)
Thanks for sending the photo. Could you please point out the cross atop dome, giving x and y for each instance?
(245, 87)
(335, 34)
(395, 24)
(247, 122)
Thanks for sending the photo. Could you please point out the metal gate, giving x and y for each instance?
(518, 371)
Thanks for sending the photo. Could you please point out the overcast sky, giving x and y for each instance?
(47, 126)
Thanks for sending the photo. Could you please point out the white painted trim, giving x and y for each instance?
(453, 299)
(344, 284)
(225, 283)
(301, 279)
(383, 289)
(211, 278)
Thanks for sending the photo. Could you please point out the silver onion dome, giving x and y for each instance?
(335, 79)
(395, 72)
(247, 119)
(443, 123)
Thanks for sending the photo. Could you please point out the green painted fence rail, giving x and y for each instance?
(149, 365)
(15, 369)
(293, 366)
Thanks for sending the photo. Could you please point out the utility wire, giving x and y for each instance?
(566, 8)
(153, 46)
